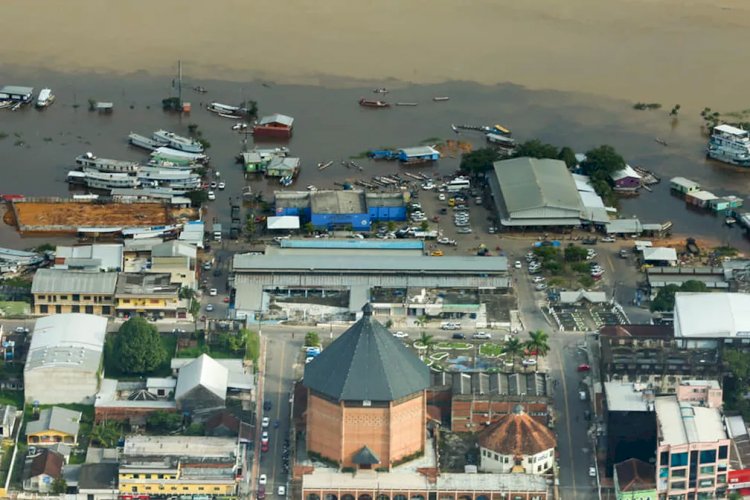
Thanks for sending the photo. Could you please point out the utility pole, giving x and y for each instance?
(179, 82)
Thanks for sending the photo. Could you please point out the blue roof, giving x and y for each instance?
(354, 244)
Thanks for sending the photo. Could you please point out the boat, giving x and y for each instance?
(729, 144)
(227, 111)
(441, 98)
(240, 126)
(178, 157)
(89, 160)
(160, 163)
(323, 166)
(501, 140)
(661, 141)
(406, 103)
(287, 180)
(499, 129)
(174, 141)
(45, 98)
(200, 90)
(729, 221)
(143, 142)
(149, 232)
(95, 179)
(165, 177)
(455, 129)
(380, 90)
(369, 103)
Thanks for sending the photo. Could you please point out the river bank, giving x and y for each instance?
(667, 51)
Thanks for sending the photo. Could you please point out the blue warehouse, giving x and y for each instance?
(341, 209)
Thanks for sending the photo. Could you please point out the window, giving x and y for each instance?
(723, 452)
(44, 309)
(679, 485)
(76, 309)
(89, 309)
(58, 309)
(76, 296)
(664, 458)
(678, 472)
(706, 469)
(106, 310)
(708, 456)
(87, 297)
(41, 297)
(63, 297)
(705, 483)
(679, 459)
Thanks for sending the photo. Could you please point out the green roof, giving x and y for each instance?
(367, 363)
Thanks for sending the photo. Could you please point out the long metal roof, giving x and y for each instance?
(79, 282)
(367, 363)
(355, 264)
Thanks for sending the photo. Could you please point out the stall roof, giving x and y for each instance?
(659, 254)
(282, 222)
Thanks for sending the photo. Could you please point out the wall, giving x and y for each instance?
(387, 213)
(473, 416)
(540, 463)
(51, 437)
(670, 467)
(702, 395)
(628, 182)
(102, 305)
(122, 414)
(324, 427)
(359, 222)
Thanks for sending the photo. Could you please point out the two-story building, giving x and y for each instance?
(152, 295)
(179, 466)
(58, 291)
(178, 259)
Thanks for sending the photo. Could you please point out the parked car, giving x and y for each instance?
(583, 367)
(264, 437)
(213, 292)
(281, 491)
(214, 185)
(541, 286)
(517, 264)
(458, 336)
(222, 185)
(265, 422)
(437, 253)
(20, 329)
(623, 253)
(441, 197)
(464, 230)
(537, 279)
(400, 335)
(262, 489)
(450, 325)
(592, 471)
(263, 479)
(482, 336)
(607, 239)
(529, 362)
(211, 195)
(267, 405)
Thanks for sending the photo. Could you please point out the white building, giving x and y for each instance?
(705, 315)
(517, 443)
(64, 359)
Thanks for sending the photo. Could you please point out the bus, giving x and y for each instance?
(458, 184)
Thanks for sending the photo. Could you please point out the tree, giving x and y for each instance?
(163, 421)
(424, 226)
(250, 225)
(197, 197)
(602, 162)
(479, 161)
(309, 227)
(664, 300)
(568, 156)
(421, 321)
(536, 149)
(575, 254)
(138, 347)
(538, 343)
(693, 286)
(427, 340)
(513, 348)
(106, 433)
(252, 346)
(59, 486)
(312, 339)
(391, 226)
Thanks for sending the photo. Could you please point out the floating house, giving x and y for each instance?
(626, 179)
(418, 154)
(16, 94)
(283, 166)
(725, 203)
(252, 161)
(683, 186)
(275, 126)
(700, 198)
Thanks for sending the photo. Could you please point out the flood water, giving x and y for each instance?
(40, 146)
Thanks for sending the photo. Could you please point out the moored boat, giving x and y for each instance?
(143, 142)
(371, 103)
(174, 141)
(227, 111)
(89, 160)
(730, 144)
(178, 157)
(95, 179)
(45, 98)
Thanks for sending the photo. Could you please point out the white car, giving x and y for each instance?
(448, 325)
(211, 195)
(592, 470)
(441, 197)
(538, 279)
(213, 292)
(264, 437)
(482, 336)
(607, 239)
(281, 491)
(20, 329)
(529, 362)
(265, 422)
(222, 185)
(541, 286)
(263, 479)
(400, 335)
(517, 264)
(209, 307)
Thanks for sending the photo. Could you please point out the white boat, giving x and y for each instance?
(143, 142)
(148, 232)
(174, 141)
(159, 163)
(106, 165)
(730, 145)
(180, 157)
(45, 98)
(95, 179)
(227, 111)
(172, 178)
(501, 140)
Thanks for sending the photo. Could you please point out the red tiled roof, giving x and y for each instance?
(517, 434)
(635, 475)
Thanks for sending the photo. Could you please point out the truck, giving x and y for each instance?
(217, 232)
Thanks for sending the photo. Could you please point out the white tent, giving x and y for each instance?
(282, 222)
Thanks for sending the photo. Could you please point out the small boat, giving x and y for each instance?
(226, 111)
(455, 129)
(661, 141)
(45, 98)
(730, 221)
(312, 188)
(200, 90)
(442, 98)
(406, 104)
(323, 166)
(89, 160)
(239, 126)
(381, 90)
(369, 103)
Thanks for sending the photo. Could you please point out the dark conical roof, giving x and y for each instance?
(367, 363)
(366, 456)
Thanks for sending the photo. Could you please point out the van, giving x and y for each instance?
(582, 395)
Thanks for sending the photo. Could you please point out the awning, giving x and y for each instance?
(282, 222)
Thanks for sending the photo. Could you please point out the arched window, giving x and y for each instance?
(312, 496)
(364, 496)
(417, 497)
(347, 496)
(331, 496)
(399, 497)
(483, 497)
(383, 497)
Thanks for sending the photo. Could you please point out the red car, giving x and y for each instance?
(584, 367)
(264, 447)
(226, 300)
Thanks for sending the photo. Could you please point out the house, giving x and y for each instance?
(683, 186)
(16, 93)
(134, 401)
(201, 385)
(635, 480)
(700, 198)
(152, 295)
(517, 443)
(275, 126)
(61, 291)
(418, 154)
(631, 422)
(723, 318)
(530, 192)
(8, 417)
(253, 161)
(99, 257)
(180, 466)
(224, 424)
(41, 470)
(725, 203)
(283, 166)
(54, 425)
(64, 359)
(193, 233)
(98, 481)
(626, 179)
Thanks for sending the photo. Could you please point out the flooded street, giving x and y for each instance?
(40, 146)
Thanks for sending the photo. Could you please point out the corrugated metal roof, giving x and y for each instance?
(202, 371)
(277, 118)
(67, 340)
(354, 243)
(79, 282)
(283, 222)
(367, 363)
(55, 419)
(624, 226)
(530, 183)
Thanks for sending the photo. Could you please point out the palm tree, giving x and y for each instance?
(513, 348)
(426, 340)
(421, 321)
(538, 343)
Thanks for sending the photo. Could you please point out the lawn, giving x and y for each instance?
(491, 350)
(14, 309)
(458, 346)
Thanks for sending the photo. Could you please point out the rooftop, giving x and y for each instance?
(156, 284)
(67, 340)
(627, 396)
(660, 254)
(682, 181)
(58, 281)
(98, 476)
(419, 151)
(367, 363)
(635, 475)
(712, 315)
(107, 257)
(44, 462)
(517, 434)
(179, 446)
(174, 248)
(205, 372)
(285, 120)
(351, 243)
(338, 202)
(492, 384)
(638, 331)
(682, 423)
(628, 171)
(55, 419)
(384, 199)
